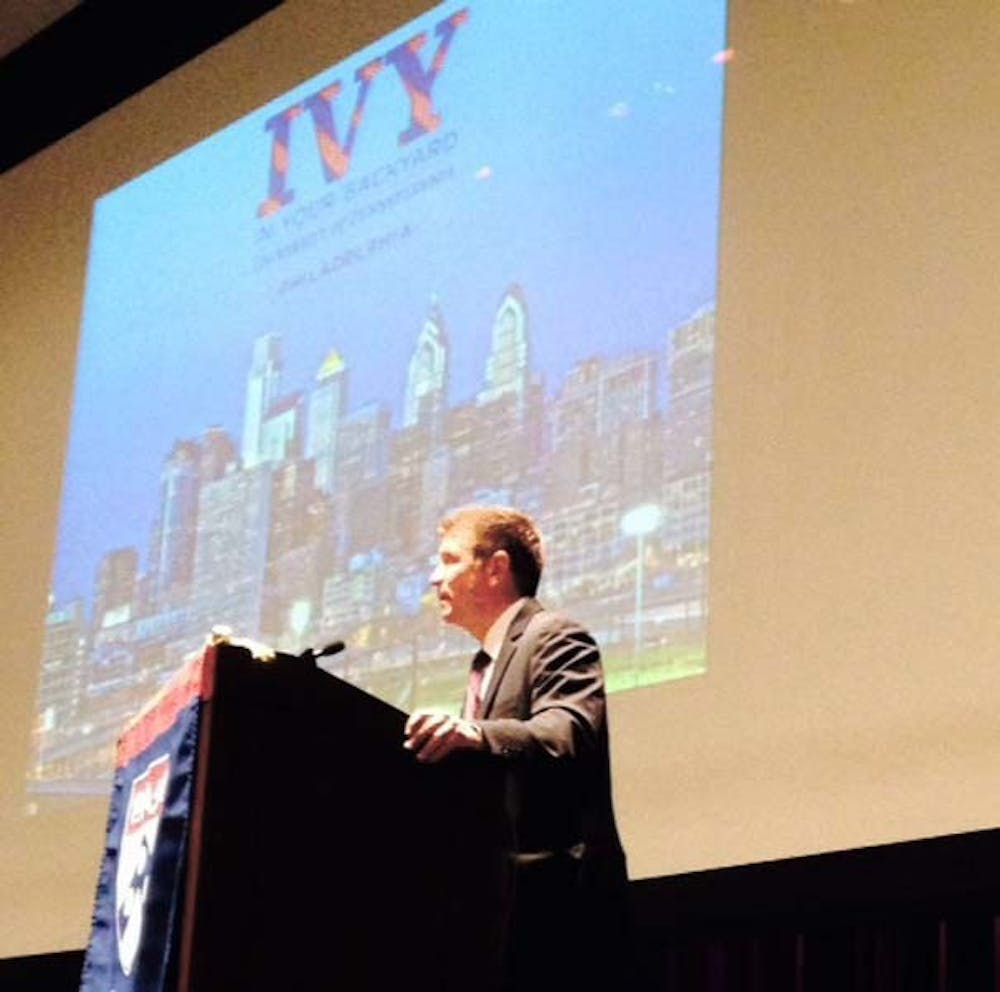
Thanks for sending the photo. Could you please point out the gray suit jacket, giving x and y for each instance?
(544, 717)
(558, 916)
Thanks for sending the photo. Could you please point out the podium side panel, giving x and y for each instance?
(135, 938)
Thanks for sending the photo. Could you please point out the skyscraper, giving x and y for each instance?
(263, 384)
(691, 351)
(427, 376)
(297, 551)
(687, 476)
(218, 454)
(507, 369)
(282, 430)
(603, 429)
(173, 551)
(61, 688)
(116, 587)
(628, 427)
(363, 466)
(327, 409)
(231, 556)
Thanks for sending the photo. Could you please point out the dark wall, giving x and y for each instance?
(922, 916)
(42, 972)
(909, 917)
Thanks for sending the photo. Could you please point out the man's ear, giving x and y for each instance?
(499, 568)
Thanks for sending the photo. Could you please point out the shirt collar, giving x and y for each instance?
(494, 638)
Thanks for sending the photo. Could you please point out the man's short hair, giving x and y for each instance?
(501, 528)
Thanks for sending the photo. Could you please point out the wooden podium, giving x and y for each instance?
(318, 854)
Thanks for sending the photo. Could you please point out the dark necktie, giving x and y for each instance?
(473, 693)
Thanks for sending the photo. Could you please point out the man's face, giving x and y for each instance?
(461, 583)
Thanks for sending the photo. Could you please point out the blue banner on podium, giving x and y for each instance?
(136, 930)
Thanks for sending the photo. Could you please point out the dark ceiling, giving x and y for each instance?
(97, 54)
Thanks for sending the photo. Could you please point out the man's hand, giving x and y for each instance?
(433, 735)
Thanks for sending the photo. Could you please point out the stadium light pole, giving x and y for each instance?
(639, 522)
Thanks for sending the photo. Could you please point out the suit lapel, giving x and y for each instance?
(507, 649)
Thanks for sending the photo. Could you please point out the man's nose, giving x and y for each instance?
(434, 579)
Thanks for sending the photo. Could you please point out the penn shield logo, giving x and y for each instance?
(135, 857)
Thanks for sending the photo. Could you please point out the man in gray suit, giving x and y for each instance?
(536, 705)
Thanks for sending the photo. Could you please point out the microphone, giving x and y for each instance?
(334, 647)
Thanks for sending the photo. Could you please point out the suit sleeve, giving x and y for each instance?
(565, 698)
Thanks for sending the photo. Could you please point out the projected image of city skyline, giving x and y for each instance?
(289, 372)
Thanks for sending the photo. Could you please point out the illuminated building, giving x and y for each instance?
(171, 557)
(327, 408)
(427, 375)
(218, 454)
(231, 550)
(263, 385)
(507, 369)
(281, 431)
(115, 587)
